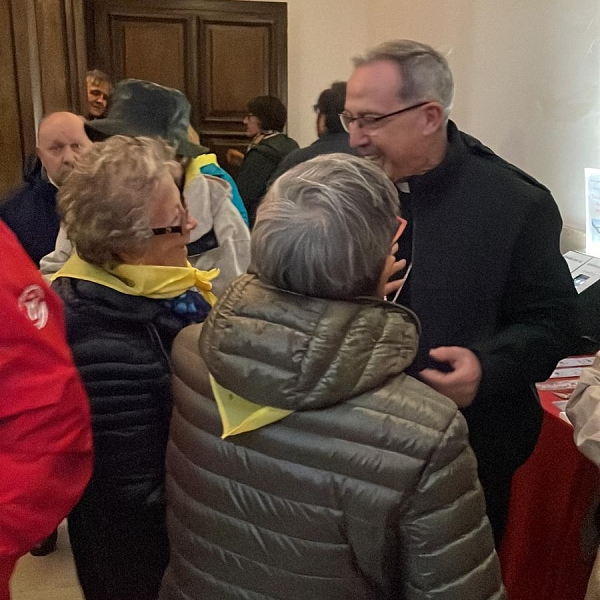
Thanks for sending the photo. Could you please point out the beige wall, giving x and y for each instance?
(322, 37)
(527, 77)
(527, 73)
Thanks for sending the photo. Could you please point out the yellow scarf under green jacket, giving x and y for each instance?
(239, 415)
(143, 280)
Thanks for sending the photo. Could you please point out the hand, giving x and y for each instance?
(460, 384)
(391, 287)
(234, 157)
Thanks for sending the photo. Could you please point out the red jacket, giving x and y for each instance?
(45, 433)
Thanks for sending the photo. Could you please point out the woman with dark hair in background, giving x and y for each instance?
(264, 124)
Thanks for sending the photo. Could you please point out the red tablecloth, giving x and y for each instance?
(553, 499)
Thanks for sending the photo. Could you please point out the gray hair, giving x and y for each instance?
(105, 201)
(425, 72)
(325, 228)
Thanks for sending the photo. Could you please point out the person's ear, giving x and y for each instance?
(321, 127)
(386, 273)
(434, 117)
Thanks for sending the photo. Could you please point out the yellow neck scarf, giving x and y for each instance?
(143, 280)
(193, 169)
(239, 415)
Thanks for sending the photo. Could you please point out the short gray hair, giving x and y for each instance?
(325, 228)
(104, 202)
(425, 72)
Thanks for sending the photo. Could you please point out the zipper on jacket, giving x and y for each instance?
(155, 336)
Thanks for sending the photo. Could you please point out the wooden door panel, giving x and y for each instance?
(220, 53)
(236, 58)
(11, 164)
(152, 49)
(51, 41)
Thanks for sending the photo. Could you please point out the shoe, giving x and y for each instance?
(47, 546)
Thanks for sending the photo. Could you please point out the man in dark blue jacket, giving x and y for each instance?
(485, 276)
(30, 211)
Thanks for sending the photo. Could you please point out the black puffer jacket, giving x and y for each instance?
(120, 345)
(368, 491)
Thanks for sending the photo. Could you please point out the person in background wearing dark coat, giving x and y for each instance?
(30, 211)
(264, 123)
(485, 275)
(320, 470)
(332, 135)
(127, 291)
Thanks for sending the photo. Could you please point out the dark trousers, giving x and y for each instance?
(120, 547)
(496, 489)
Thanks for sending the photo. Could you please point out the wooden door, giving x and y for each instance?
(220, 53)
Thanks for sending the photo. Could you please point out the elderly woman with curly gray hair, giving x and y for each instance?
(127, 291)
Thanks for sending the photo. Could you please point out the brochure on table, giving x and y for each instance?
(585, 269)
(592, 211)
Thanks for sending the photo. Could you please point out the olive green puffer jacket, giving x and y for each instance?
(368, 491)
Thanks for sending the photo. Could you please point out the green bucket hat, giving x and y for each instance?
(143, 108)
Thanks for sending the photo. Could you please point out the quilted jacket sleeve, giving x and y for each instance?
(448, 544)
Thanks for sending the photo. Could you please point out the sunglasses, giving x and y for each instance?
(183, 219)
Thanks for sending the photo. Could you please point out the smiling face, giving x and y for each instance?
(98, 93)
(399, 143)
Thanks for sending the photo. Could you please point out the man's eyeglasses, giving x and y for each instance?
(367, 121)
(180, 228)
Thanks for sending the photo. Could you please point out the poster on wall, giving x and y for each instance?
(592, 211)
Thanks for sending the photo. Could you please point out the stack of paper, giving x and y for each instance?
(585, 269)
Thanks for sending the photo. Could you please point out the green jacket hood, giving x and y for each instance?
(294, 352)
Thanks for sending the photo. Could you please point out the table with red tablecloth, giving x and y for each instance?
(545, 553)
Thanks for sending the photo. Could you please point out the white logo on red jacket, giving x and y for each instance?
(32, 303)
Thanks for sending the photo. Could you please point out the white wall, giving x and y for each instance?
(527, 77)
(323, 35)
(527, 74)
